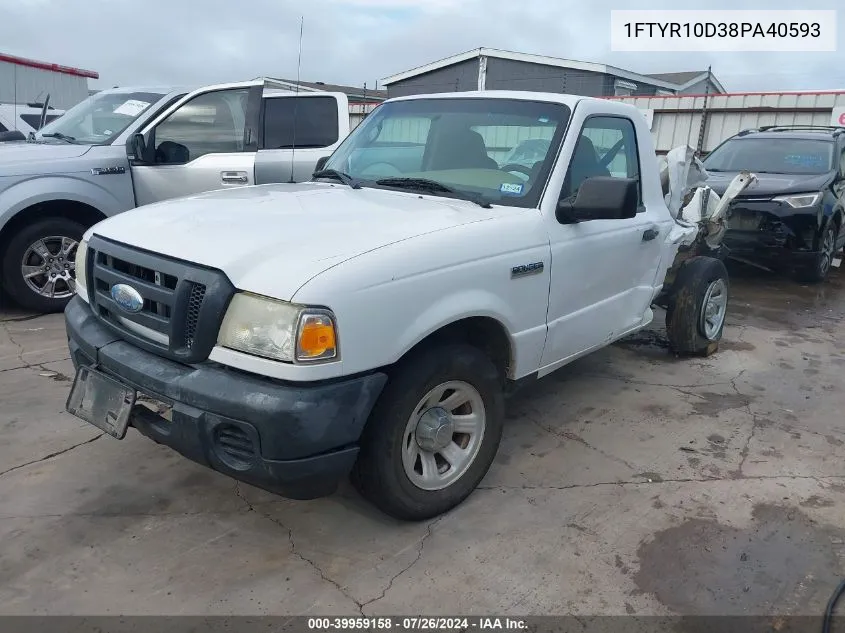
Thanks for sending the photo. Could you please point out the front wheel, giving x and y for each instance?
(698, 305)
(39, 265)
(433, 434)
(819, 269)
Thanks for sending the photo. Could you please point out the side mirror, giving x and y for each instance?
(321, 162)
(136, 149)
(600, 198)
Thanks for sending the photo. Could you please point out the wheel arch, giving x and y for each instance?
(486, 333)
(74, 210)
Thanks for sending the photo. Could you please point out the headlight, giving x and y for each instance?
(81, 257)
(278, 330)
(801, 200)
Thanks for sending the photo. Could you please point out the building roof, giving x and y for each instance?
(56, 68)
(660, 81)
(678, 78)
(356, 93)
(687, 78)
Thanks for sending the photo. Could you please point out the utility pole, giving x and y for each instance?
(701, 130)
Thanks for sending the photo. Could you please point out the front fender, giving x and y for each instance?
(450, 309)
(40, 189)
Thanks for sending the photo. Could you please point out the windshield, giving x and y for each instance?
(494, 150)
(100, 118)
(773, 156)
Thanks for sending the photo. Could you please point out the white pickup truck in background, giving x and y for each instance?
(18, 121)
(126, 147)
(371, 321)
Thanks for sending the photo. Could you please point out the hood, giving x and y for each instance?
(21, 158)
(272, 239)
(771, 184)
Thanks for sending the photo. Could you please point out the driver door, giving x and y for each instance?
(603, 271)
(207, 142)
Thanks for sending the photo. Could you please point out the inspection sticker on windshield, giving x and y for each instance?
(133, 107)
(510, 189)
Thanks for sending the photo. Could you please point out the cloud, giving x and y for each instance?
(355, 41)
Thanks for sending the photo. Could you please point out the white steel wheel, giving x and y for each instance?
(433, 432)
(714, 309)
(443, 435)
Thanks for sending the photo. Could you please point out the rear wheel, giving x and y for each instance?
(698, 305)
(39, 265)
(433, 434)
(820, 268)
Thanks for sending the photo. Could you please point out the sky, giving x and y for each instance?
(193, 42)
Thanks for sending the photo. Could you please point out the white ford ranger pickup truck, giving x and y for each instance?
(370, 322)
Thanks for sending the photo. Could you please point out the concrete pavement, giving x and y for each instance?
(628, 482)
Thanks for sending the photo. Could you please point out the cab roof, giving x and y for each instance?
(524, 95)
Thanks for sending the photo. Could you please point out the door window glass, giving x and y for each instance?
(210, 123)
(606, 147)
(303, 121)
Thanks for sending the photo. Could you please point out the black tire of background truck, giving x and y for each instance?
(13, 281)
(379, 473)
(686, 302)
(820, 268)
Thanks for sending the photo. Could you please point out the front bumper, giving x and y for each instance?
(297, 440)
(766, 232)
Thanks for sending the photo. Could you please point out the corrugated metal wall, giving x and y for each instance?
(677, 120)
(33, 84)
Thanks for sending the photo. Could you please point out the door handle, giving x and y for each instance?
(234, 177)
(650, 234)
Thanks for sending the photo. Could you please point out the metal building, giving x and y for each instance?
(704, 121)
(493, 69)
(27, 80)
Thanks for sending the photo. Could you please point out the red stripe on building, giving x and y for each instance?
(56, 68)
(797, 93)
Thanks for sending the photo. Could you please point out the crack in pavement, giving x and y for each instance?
(420, 547)
(22, 351)
(51, 455)
(36, 366)
(738, 474)
(293, 548)
(815, 478)
(113, 515)
(643, 383)
(568, 435)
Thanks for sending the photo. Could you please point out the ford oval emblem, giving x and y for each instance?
(129, 299)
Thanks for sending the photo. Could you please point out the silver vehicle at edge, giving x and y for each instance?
(127, 147)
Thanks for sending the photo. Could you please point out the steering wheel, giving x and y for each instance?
(516, 167)
(381, 170)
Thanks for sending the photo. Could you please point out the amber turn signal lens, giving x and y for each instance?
(317, 339)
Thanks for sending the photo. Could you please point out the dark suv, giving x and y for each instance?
(791, 218)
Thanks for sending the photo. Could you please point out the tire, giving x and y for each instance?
(55, 232)
(821, 266)
(381, 474)
(700, 281)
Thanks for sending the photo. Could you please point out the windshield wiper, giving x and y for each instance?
(60, 136)
(434, 187)
(345, 178)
